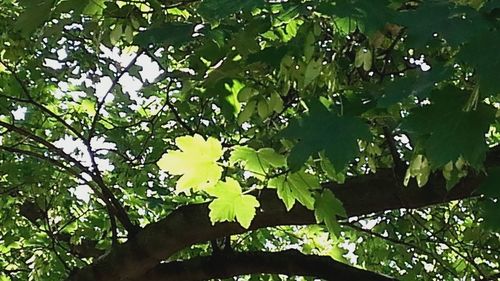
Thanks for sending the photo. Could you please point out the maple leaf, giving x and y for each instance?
(326, 209)
(196, 161)
(257, 162)
(323, 130)
(446, 131)
(231, 204)
(296, 186)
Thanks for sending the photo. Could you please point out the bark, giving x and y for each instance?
(290, 263)
(190, 224)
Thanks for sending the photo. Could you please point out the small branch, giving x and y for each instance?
(399, 165)
(114, 83)
(403, 243)
(178, 117)
(114, 232)
(289, 262)
(442, 240)
(30, 100)
(170, 106)
(107, 195)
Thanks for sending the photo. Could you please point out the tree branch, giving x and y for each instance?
(107, 196)
(360, 196)
(289, 262)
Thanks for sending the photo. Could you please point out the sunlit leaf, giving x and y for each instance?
(326, 209)
(196, 161)
(231, 204)
(296, 187)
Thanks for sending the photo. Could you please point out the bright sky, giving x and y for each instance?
(131, 85)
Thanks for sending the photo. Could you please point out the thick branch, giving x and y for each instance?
(290, 262)
(363, 195)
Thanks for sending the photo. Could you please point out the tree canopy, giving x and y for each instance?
(258, 139)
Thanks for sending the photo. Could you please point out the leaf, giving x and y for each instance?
(491, 188)
(259, 163)
(373, 15)
(327, 167)
(322, 130)
(77, 6)
(263, 109)
(167, 34)
(486, 62)
(420, 169)
(215, 10)
(35, 14)
(445, 131)
(326, 209)
(246, 93)
(231, 204)
(196, 162)
(275, 102)
(247, 112)
(313, 70)
(296, 186)
(418, 84)
(271, 56)
(116, 34)
(453, 23)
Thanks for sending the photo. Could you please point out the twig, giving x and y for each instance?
(114, 83)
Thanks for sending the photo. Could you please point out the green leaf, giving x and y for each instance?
(371, 15)
(259, 163)
(215, 10)
(420, 169)
(167, 34)
(322, 130)
(116, 34)
(486, 62)
(36, 13)
(231, 204)
(418, 84)
(263, 109)
(445, 131)
(77, 6)
(296, 186)
(491, 188)
(312, 71)
(247, 112)
(453, 23)
(196, 162)
(326, 209)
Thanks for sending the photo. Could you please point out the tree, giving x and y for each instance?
(209, 139)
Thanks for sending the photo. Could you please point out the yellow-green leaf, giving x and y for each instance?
(196, 161)
(296, 186)
(258, 162)
(231, 204)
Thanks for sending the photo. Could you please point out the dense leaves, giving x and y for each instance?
(146, 136)
(324, 131)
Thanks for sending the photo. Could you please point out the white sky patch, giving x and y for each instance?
(369, 223)
(82, 192)
(77, 149)
(131, 85)
(61, 54)
(150, 69)
(350, 247)
(102, 88)
(54, 64)
(19, 113)
(123, 58)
